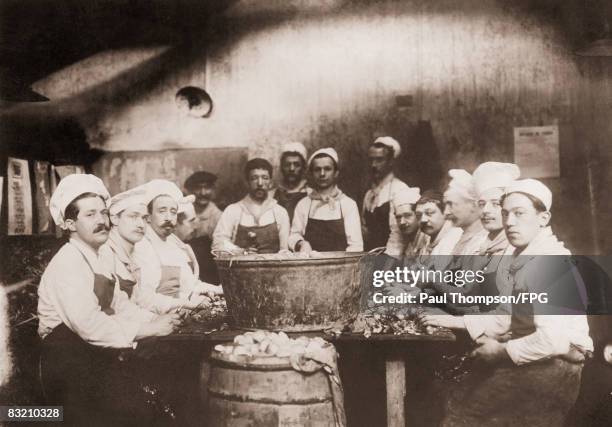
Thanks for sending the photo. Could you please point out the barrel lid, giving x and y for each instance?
(251, 362)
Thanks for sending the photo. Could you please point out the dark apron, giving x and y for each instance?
(92, 383)
(263, 237)
(377, 224)
(208, 269)
(326, 235)
(289, 200)
(170, 281)
(104, 289)
(126, 285)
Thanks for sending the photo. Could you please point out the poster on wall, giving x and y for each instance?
(19, 197)
(536, 151)
(53, 180)
(65, 170)
(1, 192)
(42, 192)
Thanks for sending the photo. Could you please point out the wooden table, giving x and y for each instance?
(395, 366)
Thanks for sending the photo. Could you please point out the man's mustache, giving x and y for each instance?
(167, 224)
(101, 227)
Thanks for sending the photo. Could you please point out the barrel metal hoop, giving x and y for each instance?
(264, 400)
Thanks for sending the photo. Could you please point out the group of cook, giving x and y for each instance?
(127, 272)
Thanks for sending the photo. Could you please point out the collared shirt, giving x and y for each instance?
(554, 334)
(378, 195)
(337, 207)
(150, 254)
(115, 256)
(471, 239)
(207, 221)
(413, 247)
(249, 213)
(445, 241)
(497, 246)
(66, 295)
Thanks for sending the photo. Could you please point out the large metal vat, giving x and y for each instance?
(291, 294)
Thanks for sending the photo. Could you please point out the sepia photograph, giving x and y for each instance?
(319, 213)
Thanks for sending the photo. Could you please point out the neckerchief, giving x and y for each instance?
(329, 199)
(302, 187)
(371, 201)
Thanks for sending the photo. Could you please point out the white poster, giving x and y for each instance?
(42, 194)
(19, 197)
(65, 170)
(536, 151)
(1, 192)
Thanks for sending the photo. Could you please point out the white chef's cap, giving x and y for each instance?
(327, 151)
(295, 147)
(163, 187)
(494, 175)
(131, 197)
(407, 196)
(391, 143)
(534, 188)
(186, 206)
(71, 187)
(461, 183)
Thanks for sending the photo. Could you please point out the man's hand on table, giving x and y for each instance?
(490, 350)
(429, 318)
(304, 247)
(161, 326)
(608, 353)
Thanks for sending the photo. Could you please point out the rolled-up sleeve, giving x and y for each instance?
(283, 226)
(223, 234)
(352, 225)
(554, 336)
(298, 226)
(145, 293)
(80, 310)
(491, 325)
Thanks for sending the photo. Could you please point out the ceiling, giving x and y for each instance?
(39, 37)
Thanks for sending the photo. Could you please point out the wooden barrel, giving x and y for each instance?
(263, 393)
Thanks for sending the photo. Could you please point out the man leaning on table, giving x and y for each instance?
(83, 316)
(167, 280)
(532, 361)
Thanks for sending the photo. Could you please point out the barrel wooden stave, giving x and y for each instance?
(240, 396)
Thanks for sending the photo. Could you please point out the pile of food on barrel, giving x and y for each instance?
(142, 263)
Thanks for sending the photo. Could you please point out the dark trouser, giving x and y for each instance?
(536, 394)
(91, 383)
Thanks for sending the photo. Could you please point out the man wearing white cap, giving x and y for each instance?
(413, 238)
(186, 221)
(128, 217)
(539, 368)
(490, 182)
(379, 222)
(167, 278)
(83, 314)
(293, 186)
(326, 220)
(461, 207)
